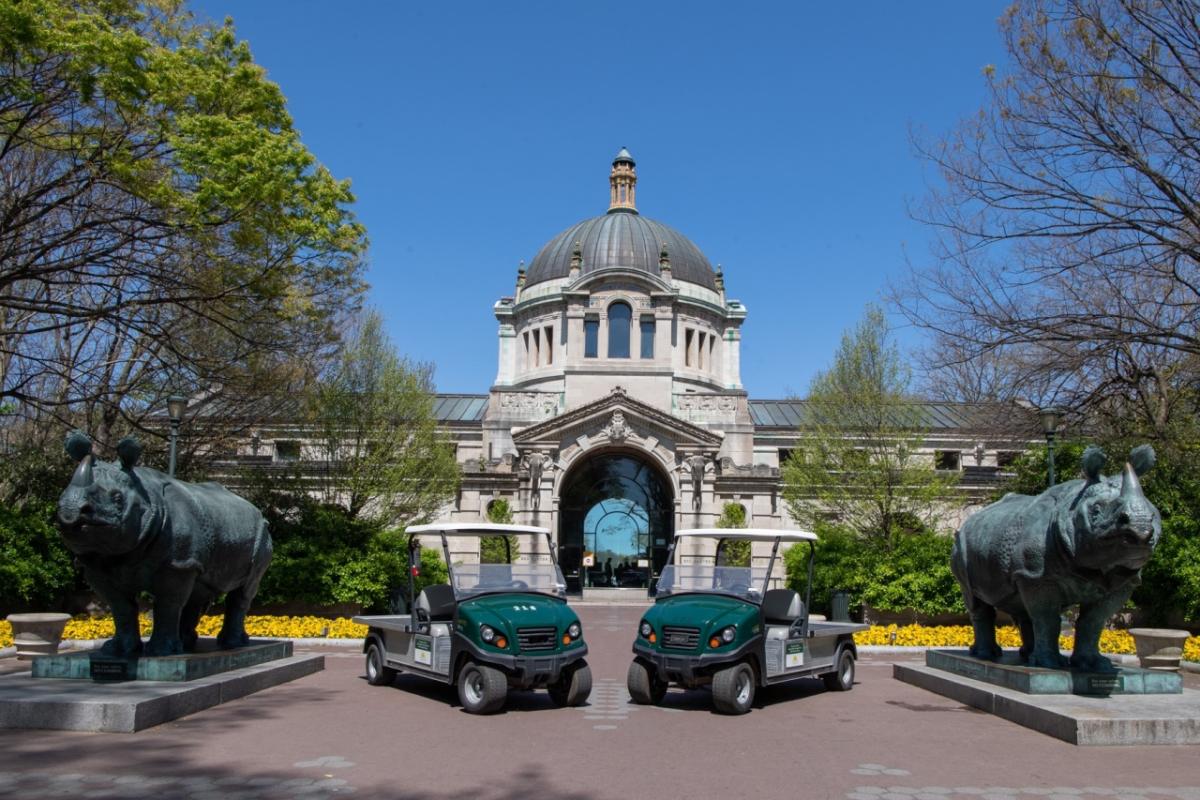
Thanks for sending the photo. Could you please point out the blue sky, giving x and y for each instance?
(775, 135)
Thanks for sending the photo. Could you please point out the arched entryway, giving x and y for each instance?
(620, 509)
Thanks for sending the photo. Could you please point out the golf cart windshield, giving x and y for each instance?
(743, 582)
(475, 579)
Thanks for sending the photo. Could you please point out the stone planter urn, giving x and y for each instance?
(37, 634)
(1159, 648)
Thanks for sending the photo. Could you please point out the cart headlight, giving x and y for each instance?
(574, 631)
(723, 637)
(487, 633)
(646, 630)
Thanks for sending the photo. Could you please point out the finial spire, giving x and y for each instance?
(664, 262)
(576, 260)
(521, 275)
(622, 182)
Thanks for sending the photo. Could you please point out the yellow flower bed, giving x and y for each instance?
(343, 628)
(1008, 636)
(262, 626)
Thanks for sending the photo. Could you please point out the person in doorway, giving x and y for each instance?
(608, 571)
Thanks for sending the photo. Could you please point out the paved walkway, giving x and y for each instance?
(331, 735)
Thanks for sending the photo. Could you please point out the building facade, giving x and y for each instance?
(618, 414)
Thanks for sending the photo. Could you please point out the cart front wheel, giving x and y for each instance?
(481, 689)
(645, 687)
(733, 689)
(573, 686)
(378, 672)
(842, 678)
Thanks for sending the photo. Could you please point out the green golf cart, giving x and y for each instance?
(722, 626)
(494, 627)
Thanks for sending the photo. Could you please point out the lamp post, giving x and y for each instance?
(176, 405)
(1050, 417)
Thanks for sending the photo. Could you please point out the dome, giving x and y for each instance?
(626, 239)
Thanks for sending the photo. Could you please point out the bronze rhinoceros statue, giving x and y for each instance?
(135, 529)
(1081, 542)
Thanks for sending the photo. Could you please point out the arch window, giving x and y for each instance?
(620, 315)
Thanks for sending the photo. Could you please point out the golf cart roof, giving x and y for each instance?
(752, 534)
(475, 529)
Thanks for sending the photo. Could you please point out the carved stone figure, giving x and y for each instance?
(135, 529)
(695, 467)
(535, 462)
(1082, 541)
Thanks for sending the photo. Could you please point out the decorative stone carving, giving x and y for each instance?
(705, 402)
(540, 403)
(694, 467)
(1082, 541)
(616, 430)
(536, 462)
(137, 530)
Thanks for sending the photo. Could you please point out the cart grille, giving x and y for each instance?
(676, 638)
(536, 638)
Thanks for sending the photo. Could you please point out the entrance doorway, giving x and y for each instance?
(619, 510)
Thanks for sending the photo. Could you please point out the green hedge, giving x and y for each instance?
(914, 573)
(36, 569)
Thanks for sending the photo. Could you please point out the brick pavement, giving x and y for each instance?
(331, 735)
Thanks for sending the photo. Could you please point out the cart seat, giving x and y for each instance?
(782, 606)
(435, 603)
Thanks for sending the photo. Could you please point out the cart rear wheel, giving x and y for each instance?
(842, 678)
(733, 689)
(481, 689)
(644, 685)
(378, 672)
(573, 685)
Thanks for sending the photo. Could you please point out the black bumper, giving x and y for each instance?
(523, 670)
(684, 668)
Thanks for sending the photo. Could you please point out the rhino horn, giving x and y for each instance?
(83, 473)
(1131, 487)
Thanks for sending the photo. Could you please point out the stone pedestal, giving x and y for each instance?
(208, 659)
(1010, 673)
(1159, 648)
(37, 634)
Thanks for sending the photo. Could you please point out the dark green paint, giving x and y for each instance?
(509, 611)
(710, 613)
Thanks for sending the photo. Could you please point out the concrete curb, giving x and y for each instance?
(883, 649)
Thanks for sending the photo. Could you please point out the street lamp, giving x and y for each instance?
(1050, 417)
(176, 405)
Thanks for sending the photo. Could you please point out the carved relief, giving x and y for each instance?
(540, 403)
(706, 407)
(616, 430)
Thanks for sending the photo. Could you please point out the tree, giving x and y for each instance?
(1068, 248)
(499, 549)
(857, 460)
(737, 551)
(162, 227)
(376, 436)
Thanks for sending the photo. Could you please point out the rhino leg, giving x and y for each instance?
(983, 620)
(1092, 617)
(1044, 605)
(172, 588)
(189, 618)
(128, 638)
(237, 602)
(1025, 624)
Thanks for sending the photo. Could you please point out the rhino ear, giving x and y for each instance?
(129, 450)
(1093, 461)
(1142, 458)
(78, 445)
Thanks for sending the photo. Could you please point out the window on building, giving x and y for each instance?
(712, 341)
(1005, 459)
(620, 315)
(525, 336)
(287, 450)
(687, 346)
(700, 351)
(785, 454)
(946, 459)
(591, 338)
(647, 338)
(549, 344)
(537, 347)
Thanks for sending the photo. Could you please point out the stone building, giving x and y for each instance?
(618, 415)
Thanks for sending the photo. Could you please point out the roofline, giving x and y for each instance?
(752, 534)
(474, 528)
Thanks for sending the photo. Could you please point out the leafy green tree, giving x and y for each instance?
(36, 569)
(492, 548)
(736, 552)
(376, 435)
(162, 227)
(857, 459)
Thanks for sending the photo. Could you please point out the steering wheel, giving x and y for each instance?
(740, 588)
(518, 584)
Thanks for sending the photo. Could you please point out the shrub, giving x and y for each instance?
(36, 569)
